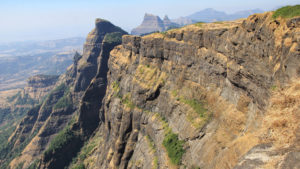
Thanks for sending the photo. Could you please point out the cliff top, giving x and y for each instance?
(225, 24)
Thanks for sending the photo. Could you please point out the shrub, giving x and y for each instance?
(115, 37)
(287, 12)
(174, 147)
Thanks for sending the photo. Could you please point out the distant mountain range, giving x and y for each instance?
(37, 47)
(211, 15)
(153, 23)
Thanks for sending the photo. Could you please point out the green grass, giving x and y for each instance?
(86, 150)
(34, 165)
(273, 87)
(174, 147)
(127, 101)
(79, 166)
(197, 106)
(64, 101)
(155, 161)
(63, 138)
(116, 89)
(287, 12)
(171, 142)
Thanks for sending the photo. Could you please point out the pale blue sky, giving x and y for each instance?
(52, 19)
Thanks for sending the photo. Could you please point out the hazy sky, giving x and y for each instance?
(53, 19)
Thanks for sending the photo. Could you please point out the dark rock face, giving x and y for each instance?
(96, 54)
(87, 66)
(152, 23)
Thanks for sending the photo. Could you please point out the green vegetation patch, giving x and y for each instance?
(115, 37)
(62, 139)
(199, 115)
(199, 24)
(79, 166)
(116, 89)
(287, 12)
(127, 101)
(34, 165)
(171, 142)
(174, 147)
(197, 106)
(65, 100)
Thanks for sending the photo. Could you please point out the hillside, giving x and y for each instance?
(217, 95)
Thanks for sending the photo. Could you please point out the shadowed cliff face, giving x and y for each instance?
(96, 54)
(43, 124)
(215, 85)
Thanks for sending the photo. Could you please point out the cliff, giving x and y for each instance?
(214, 96)
(45, 121)
(219, 95)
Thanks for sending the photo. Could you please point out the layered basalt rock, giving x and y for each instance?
(215, 85)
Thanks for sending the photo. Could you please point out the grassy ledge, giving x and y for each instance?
(287, 12)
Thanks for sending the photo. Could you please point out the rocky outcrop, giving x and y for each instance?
(152, 23)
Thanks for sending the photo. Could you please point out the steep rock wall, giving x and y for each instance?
(213, 85)
(63, 103)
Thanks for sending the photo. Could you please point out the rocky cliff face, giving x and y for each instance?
(222, 95)
(42, 123)
(152, 23)
(214, 96)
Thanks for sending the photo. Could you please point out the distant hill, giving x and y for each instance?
(37, 47)
(211, 15)
(153, 23)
